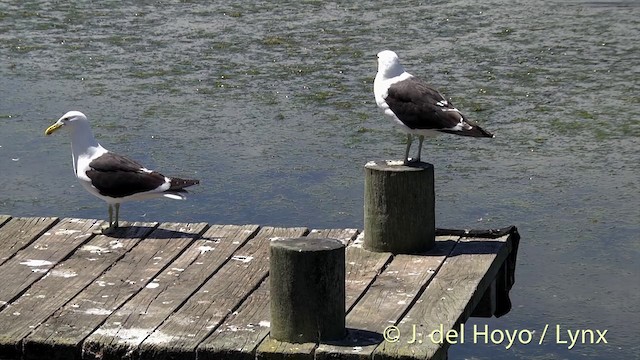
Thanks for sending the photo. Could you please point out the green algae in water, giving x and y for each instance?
(274, 40)
(585, 114)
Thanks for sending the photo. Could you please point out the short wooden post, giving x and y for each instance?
(307, 289)
(399, 207)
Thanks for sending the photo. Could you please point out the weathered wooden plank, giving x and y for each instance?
(61, 335)
(344, 235)
(449, 299)
(271, 349)
(125, 329)
(17, 233)
(65, 280)
(218, 298)
(388, 298)
(31, 263)
(241, 333)
(362, 267)
(4, 219)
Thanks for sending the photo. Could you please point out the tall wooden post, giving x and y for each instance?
(307, 289)
(399, 207)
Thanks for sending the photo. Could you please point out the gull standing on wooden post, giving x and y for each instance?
(112, 177)
(416, 107)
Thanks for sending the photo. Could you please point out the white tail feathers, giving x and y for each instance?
(174, 196)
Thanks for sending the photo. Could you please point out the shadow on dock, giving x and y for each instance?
(135, 231)
(358, 337)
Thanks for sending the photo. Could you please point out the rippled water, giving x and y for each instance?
(271, 105)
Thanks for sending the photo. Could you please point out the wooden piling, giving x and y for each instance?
(307, 286)
(399, 207)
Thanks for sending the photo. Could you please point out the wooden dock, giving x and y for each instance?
(194, 290)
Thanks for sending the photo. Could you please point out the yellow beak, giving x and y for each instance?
(53, 128)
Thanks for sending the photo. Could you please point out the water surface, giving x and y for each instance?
(271, 106)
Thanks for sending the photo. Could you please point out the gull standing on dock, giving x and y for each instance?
(416, 107)
(112, 177)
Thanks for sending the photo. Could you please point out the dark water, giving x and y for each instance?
(271, 105)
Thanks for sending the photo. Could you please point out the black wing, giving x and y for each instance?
(419, 106)
(116, 176)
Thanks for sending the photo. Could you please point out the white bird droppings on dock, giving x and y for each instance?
(241, 258)
(94, 249)
(96, 311)
(66, 232)
(64, 273)
(36, 263)
(204, 248)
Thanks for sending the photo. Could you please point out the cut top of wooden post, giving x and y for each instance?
(396, 165)
(304, 244)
